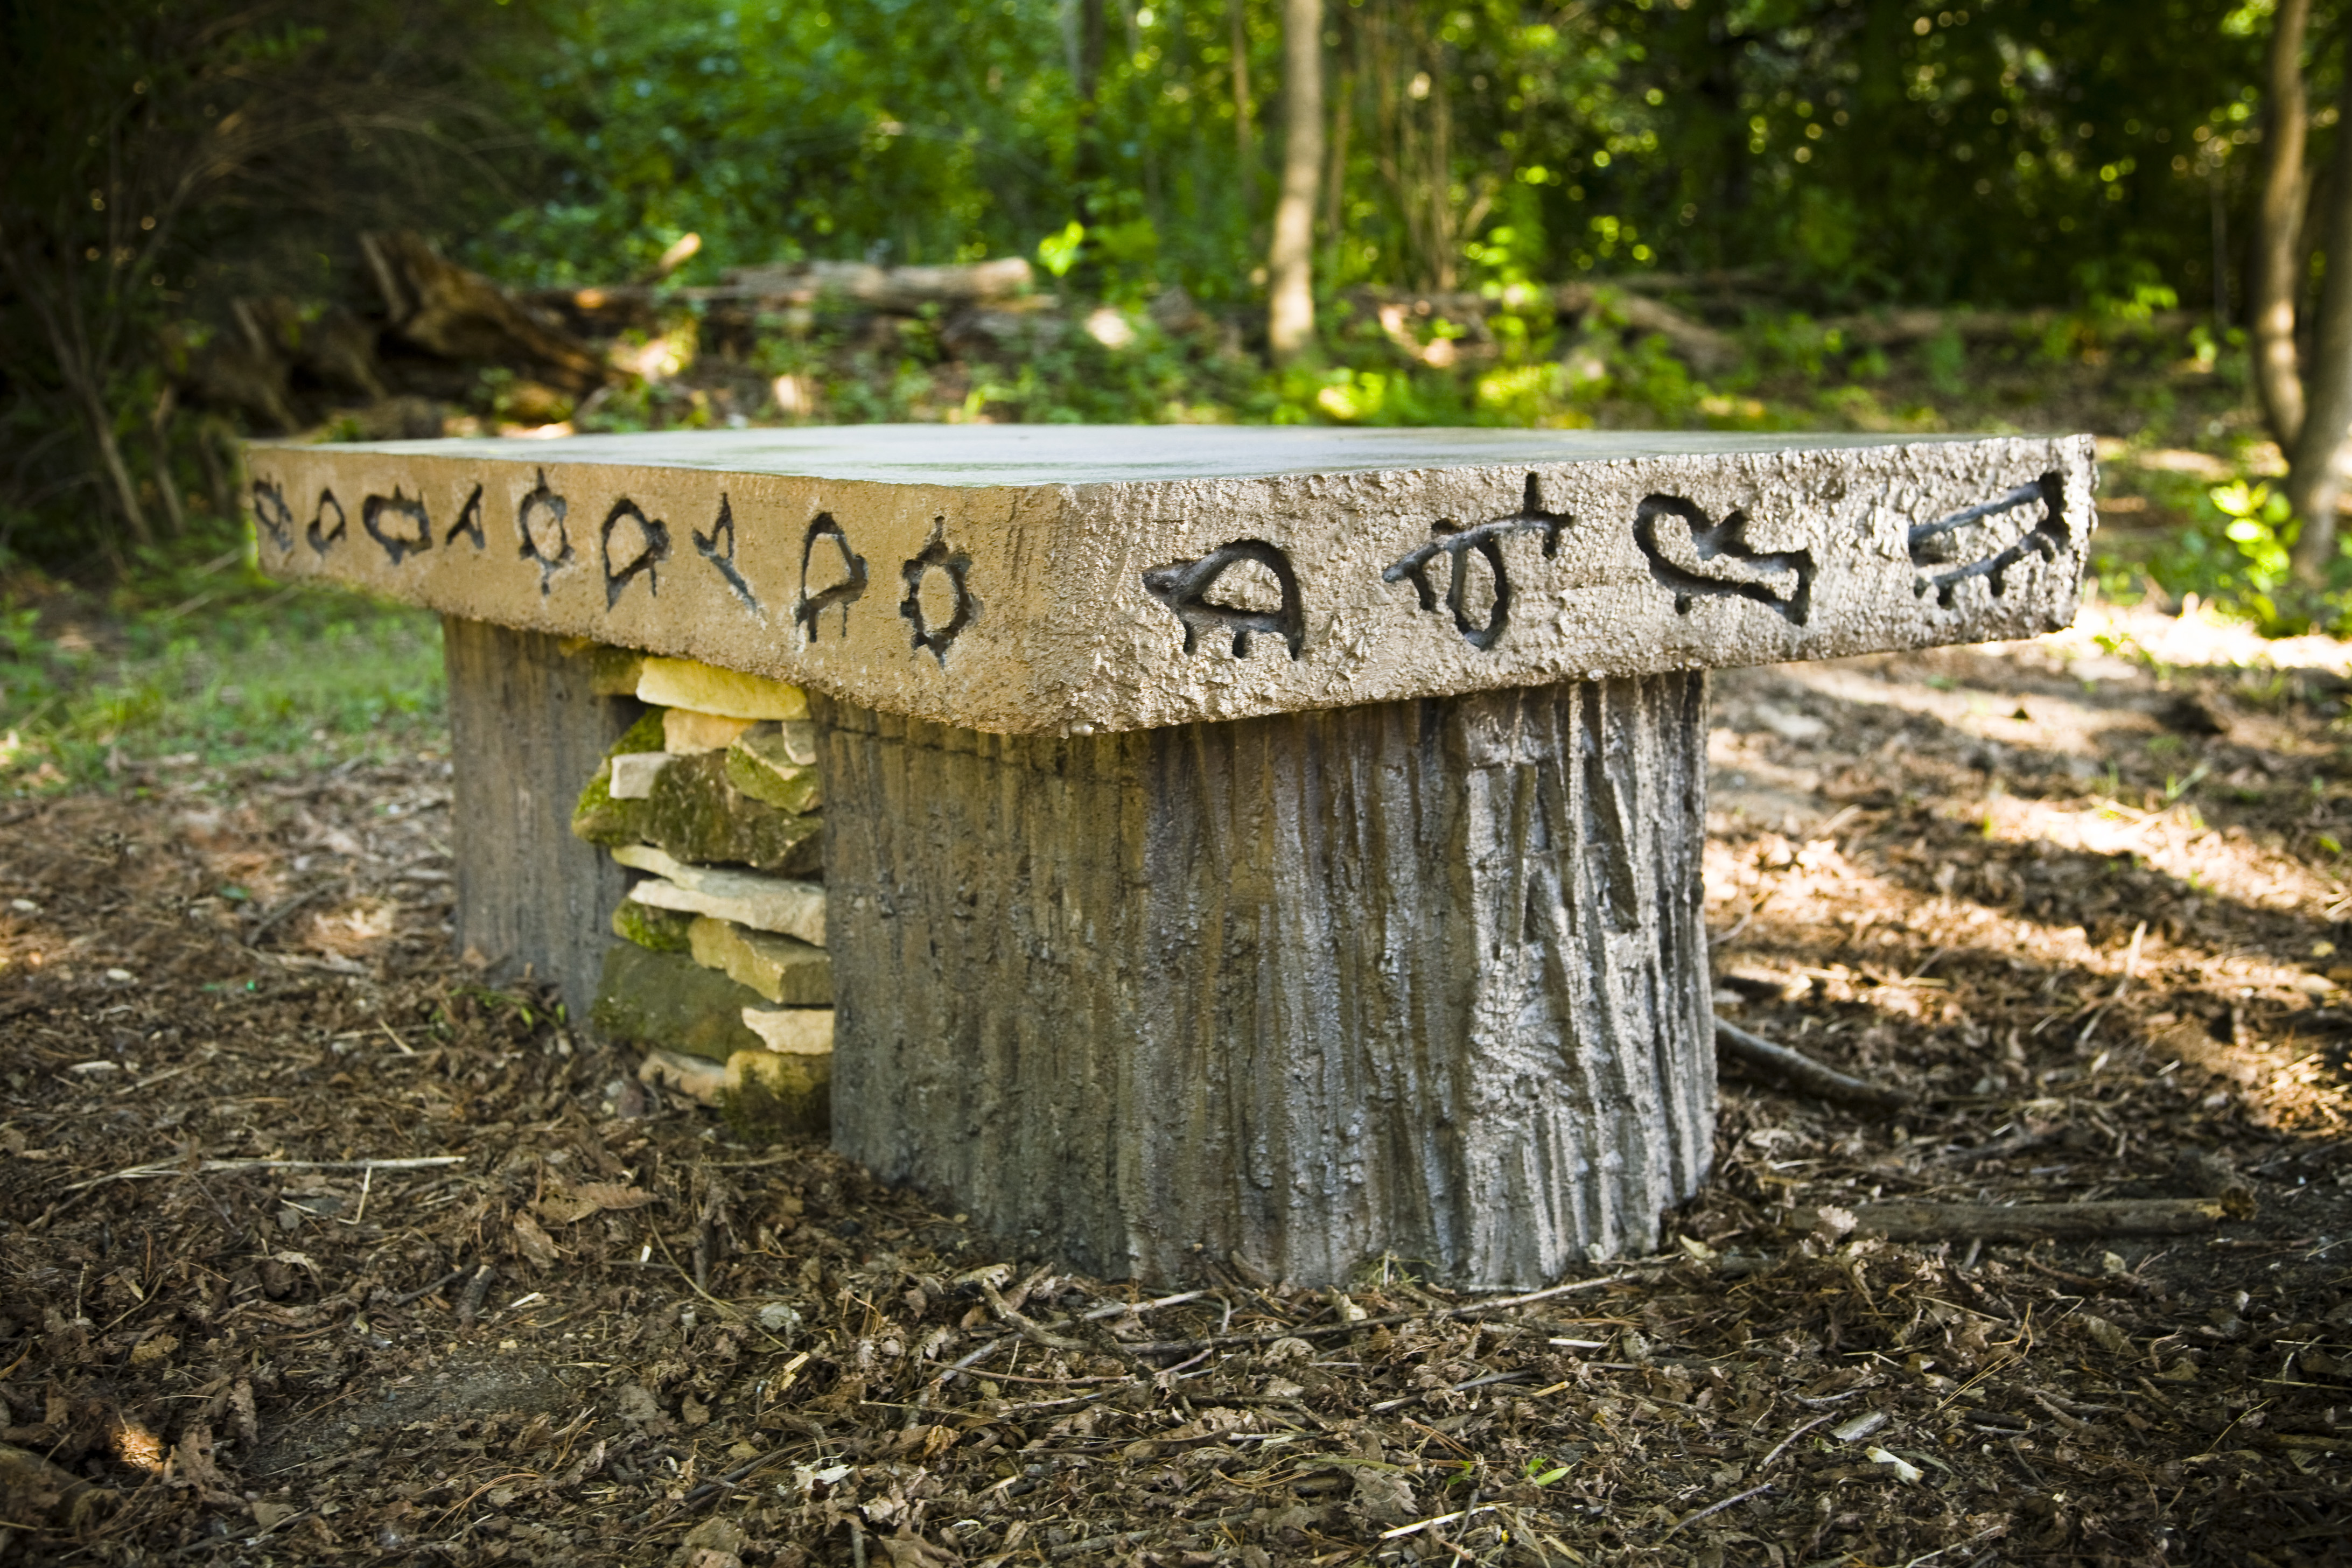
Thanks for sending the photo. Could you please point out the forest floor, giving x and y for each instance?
(2083, 898)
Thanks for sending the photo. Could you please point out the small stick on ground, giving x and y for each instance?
(1803, 1073)
(2030, 1221)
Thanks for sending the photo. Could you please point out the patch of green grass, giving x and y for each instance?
(208, 667)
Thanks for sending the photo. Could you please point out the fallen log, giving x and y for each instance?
(901, 289)
(1889, 329)
(2021, 1221)
(1700, 345)
(1800, 1072)
(457, 314)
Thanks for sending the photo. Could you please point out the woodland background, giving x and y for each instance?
(1738, 214)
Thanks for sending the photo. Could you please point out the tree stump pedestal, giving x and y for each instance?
(1257, 845)
(1424, 979)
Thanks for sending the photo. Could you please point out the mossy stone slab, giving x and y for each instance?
(695, 816)
(785, 970)
(763, 764)
(666, 1000)
(654, 929)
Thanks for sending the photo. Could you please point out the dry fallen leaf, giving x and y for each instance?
(534, 1243)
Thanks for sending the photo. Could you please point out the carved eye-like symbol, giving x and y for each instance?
(322, 538)
(416, 538)
(939, 601)
(274, 516)
(635, 545)
(1458, 544)
(845, 591)
(469, 521)
(1700, 559)
(540, 521)
(1931, 543)
(707, 546)
(1183, 587)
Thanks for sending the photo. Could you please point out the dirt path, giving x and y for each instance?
(2082, 900)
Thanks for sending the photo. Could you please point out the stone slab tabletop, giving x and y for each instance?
(1073, 579)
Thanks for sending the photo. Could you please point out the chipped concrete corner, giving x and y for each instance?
(1020, 580)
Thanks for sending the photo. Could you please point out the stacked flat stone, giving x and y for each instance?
(722, 979)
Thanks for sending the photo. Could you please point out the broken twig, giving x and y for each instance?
(213, 1167)
(1800, 1072)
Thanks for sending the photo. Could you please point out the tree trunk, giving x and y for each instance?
(2274, 278)
(1290, 262)
(1244, 139)
(2316, 472)
(1425, 979)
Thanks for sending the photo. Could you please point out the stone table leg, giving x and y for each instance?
(1421, 978)
(525, 732)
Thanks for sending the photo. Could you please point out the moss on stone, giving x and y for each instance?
(768, 1095)
(694, 814)
(655, 930)
(667, 1000)
(760, 764)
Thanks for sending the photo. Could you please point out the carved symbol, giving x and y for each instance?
(375, 508)
(540, 521)
(1183, 587)
(1697, 558)
(638, 552)
(469, 521)
(1457, 544)
(707, 546)
(275, 518)
(322, 539)
(845, 592)
(1931, 542)
(955, 566)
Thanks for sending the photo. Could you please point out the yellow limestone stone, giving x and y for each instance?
(707, 688)
(783, 968)
(793, 1031)
(686, 733)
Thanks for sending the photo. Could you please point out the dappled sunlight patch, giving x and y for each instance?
(2228, 862)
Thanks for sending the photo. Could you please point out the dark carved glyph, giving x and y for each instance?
(322, 538)
(633, 546)
(1484, 542)
(540, 521)
(1699, 559)
(469, 521)
(1183, 587)
(708, 547)
(275, 517)
(810, 611)
(956, 567)
(410, 530)
(1937, 543)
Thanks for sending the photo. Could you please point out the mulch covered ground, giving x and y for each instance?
(2082, 901)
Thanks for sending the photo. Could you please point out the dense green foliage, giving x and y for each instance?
(2024, 151)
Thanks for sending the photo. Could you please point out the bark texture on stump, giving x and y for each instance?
(1427, 978)
(526, 730)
